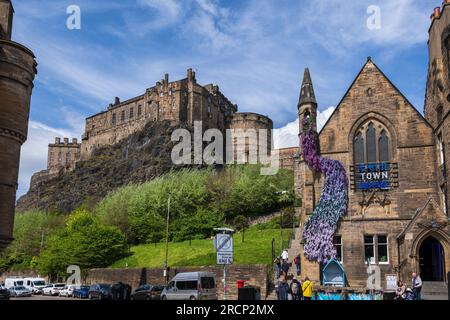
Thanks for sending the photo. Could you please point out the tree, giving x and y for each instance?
(241, 223)
(84, 242)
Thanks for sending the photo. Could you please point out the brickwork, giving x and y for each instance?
(63, 154)
(17, 72)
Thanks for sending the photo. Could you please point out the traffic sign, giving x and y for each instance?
(224, 248)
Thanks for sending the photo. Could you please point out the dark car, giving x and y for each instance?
(4, 294)
(100, 292)
(121, 291)
(81, 292)
(147, 292)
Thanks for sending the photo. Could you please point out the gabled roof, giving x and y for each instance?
(369, 61)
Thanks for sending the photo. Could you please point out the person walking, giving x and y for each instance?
(417, 286)
(295, 290)
(277, 263)
(297, 265)
(285, 255)
(307, 289)
(283, 290)
(286, 266)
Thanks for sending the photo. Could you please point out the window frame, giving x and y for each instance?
(376, 252)
(361, 133)
(341, 245)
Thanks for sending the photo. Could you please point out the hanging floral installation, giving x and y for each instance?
(320, 229)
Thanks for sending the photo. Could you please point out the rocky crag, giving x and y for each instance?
(140, 157)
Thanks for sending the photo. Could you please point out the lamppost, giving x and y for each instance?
(283, 194)
(166, 276)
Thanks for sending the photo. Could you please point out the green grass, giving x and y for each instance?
(256, 249)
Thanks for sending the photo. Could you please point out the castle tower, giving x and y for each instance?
(307, 107)
(17, 72)
(437, 100)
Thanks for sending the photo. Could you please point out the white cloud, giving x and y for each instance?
(287, 136)
(169, 8)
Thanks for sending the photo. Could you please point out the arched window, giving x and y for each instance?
(383, 147)
(359, 149)
(371, 144)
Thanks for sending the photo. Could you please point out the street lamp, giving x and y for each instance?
(167, 241)
(284, 196)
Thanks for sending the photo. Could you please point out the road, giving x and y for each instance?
(44, 298)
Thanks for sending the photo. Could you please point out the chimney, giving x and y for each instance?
(66, 140)
(57, 140)
(437, 13)
(74, 141)
(6, 19)
(117, 101)
(191, 75)
(166, 78)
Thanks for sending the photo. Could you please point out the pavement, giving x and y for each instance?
(43, 298)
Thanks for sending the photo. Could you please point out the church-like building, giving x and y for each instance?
(397, 164)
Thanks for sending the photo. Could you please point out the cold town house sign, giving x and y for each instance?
(374, 176)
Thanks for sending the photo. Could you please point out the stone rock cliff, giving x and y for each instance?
(138, 158)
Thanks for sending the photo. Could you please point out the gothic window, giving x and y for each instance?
(372, 144)
(359, 149)
(384, 147)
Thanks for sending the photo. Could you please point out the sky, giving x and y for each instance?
(255, 50)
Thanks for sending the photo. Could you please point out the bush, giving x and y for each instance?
(84, 242)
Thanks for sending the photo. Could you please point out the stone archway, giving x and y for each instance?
(432, 260)
(436, 262)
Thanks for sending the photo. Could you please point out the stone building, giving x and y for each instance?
(182, 101)
(287, 157)
(17, 72)
(63, 154)
(396, 162)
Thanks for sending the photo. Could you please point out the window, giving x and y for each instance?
(59, 156)
(441, 150)
(376, 249)
(122, 116)
(369, 249)
(139, 111)
(337, 241)
(68, 157)
(384, 147)
(52, 156)
(113, 119)
(372, 144)
(131, 113)
(208, 283)
(359, 149)
(187, 285)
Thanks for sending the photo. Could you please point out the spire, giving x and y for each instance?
(307, 91)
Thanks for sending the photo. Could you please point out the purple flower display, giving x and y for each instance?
(320, 229)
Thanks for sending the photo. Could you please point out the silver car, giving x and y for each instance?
(20, 291)
(191, 286)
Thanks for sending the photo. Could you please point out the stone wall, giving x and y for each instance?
(252, 275)
(63, 154)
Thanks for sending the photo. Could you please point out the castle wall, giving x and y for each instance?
(63, 154)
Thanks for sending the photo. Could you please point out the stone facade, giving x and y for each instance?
(403, 228)
(63, 154)
(17, 72)
(183, 101)
(287, 157)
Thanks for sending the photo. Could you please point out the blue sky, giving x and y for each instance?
(255, 50)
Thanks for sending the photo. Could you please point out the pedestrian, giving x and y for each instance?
(400, 292)
(283, 290)
(307, 289)
(286, 266)
(285, 255)
(295, 290)
(417, 286)
(297, 265)
(277, 262)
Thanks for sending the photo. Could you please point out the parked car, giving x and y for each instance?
(191, 286)
(147, 292)
(67, 291)
(100, 292)
(35, 285)
(81, 292)
(53, 289)
(4, 293)
(20, 291)
(121, 291)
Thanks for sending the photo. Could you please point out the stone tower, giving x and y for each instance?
(437, 101)
(17, 72)
(307, 107)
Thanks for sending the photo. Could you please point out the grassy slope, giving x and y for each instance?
(256, 249)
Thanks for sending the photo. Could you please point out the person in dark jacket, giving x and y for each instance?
(286, 267)
(297, 265)
(296, 290)
(283, 290)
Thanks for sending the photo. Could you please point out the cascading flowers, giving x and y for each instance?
(320, 229)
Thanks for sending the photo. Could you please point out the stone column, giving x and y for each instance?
(17, 72)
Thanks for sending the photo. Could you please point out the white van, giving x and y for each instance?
(35, 285)
(191, 286)
(14, 282)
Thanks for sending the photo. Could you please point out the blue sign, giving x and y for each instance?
(373, 176)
